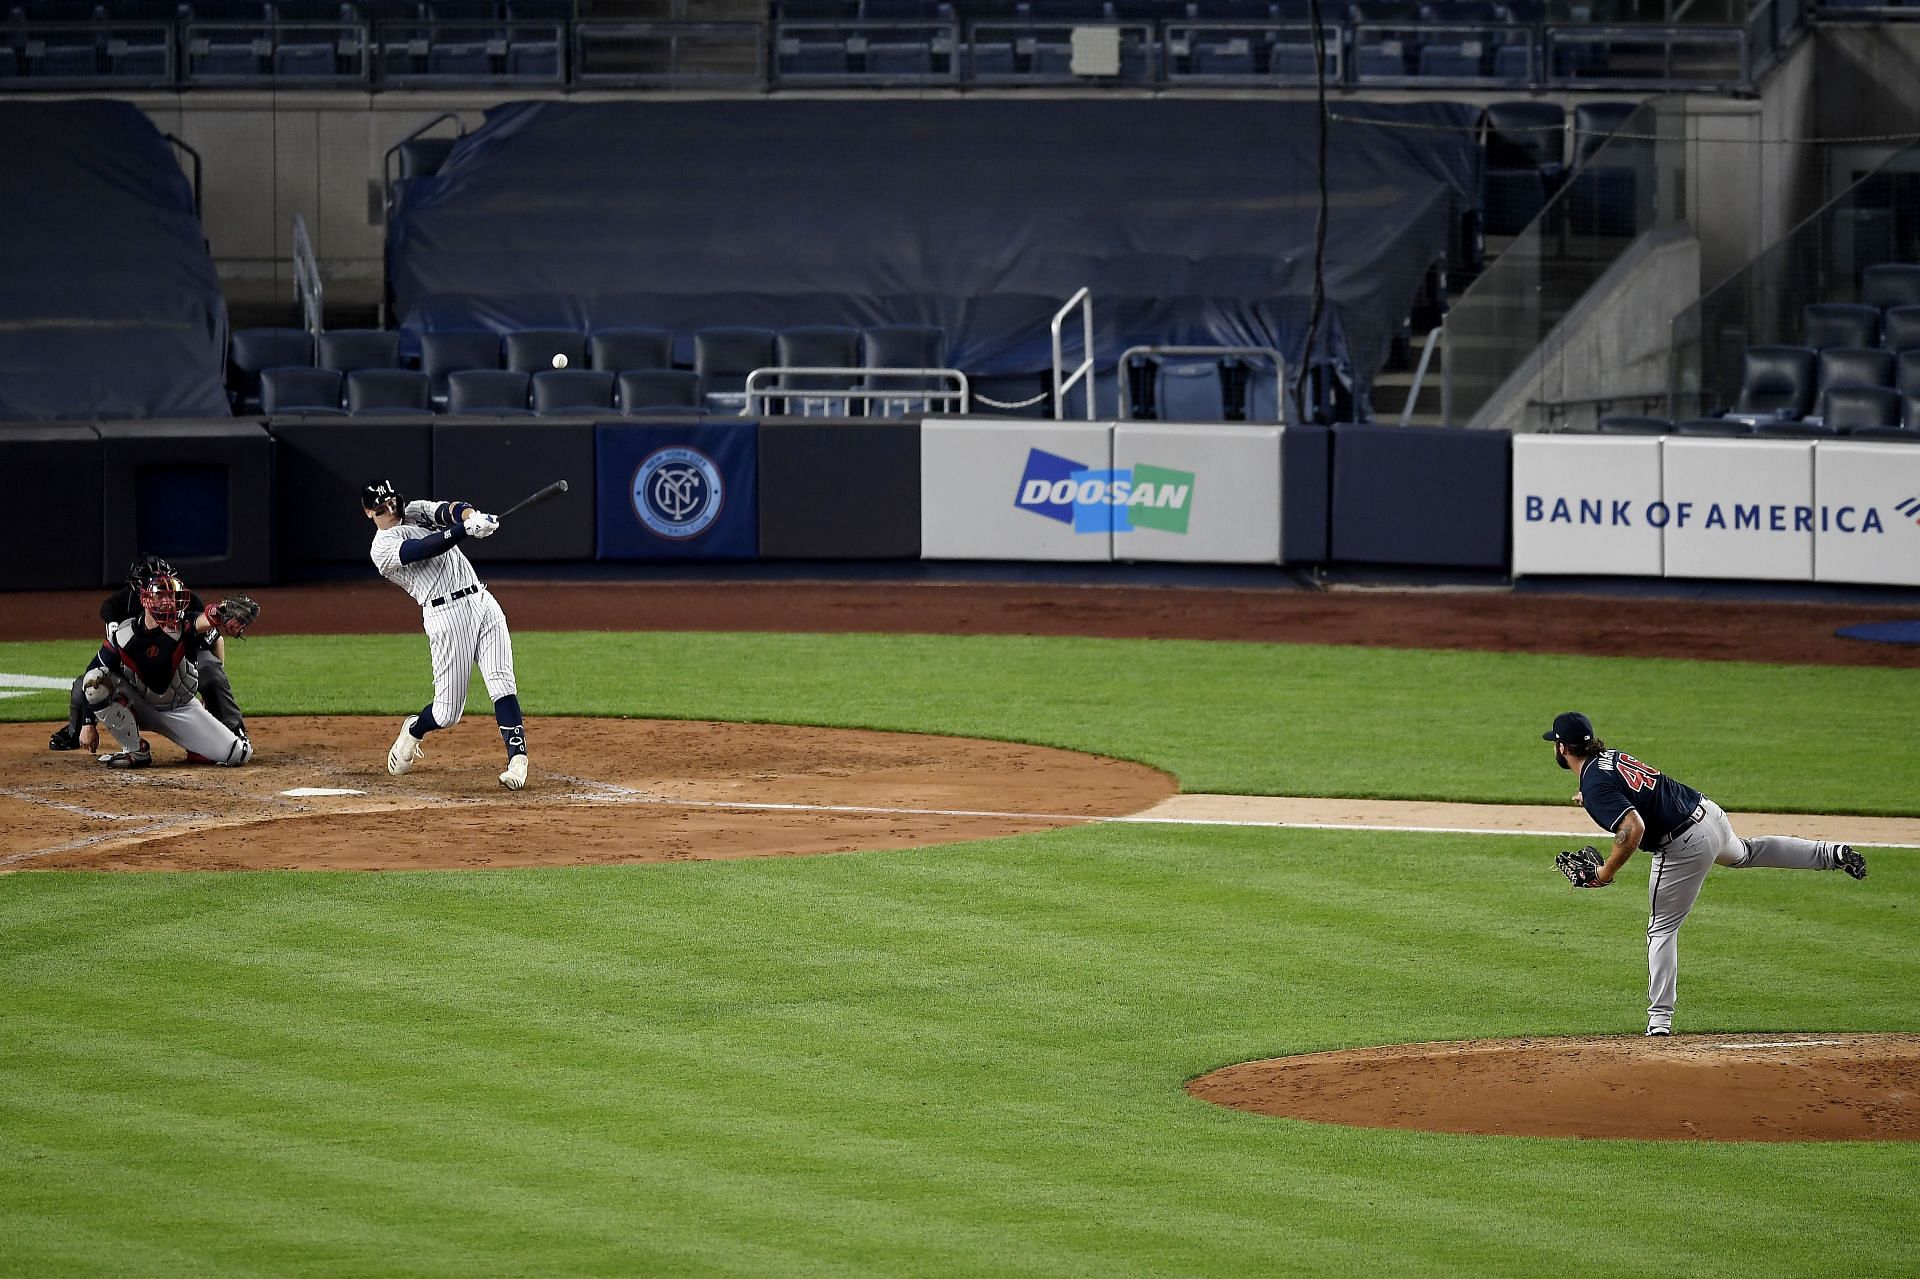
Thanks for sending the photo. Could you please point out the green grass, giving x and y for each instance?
(964, 1060)
(1239, 718)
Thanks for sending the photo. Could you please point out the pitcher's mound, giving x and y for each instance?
(1749, 1087)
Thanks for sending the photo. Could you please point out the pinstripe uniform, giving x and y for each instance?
(464, 624)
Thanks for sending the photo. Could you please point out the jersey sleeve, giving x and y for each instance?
(119, 606)
(426, 514)
(1604, 797)
(386, 549)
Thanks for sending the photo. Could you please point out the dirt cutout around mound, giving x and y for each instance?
(1746, 1087)
(602, 791)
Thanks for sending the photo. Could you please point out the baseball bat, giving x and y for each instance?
(554, 489)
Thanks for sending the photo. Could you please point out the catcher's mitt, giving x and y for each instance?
(1580, 866)
(233, 615)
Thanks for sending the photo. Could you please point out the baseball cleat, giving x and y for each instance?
(1851, 862)
(64, 739)
(1658, 1032)
(516, 775)
(140, 758)
(406, 749)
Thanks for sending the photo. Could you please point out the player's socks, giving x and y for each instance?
(424, 723)
(513, 729)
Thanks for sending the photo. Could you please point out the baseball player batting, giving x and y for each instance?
(416, 546)
(145, 676)
(1686, 832)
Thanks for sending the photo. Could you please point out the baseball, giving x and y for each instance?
(560, 361)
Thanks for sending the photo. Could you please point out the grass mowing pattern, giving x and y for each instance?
(960, 1061)
(1240, 718)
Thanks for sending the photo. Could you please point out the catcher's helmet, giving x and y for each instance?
(164, 596)
(145, 568)
(376, 495)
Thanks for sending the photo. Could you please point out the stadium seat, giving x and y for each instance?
(1629, 425)
(1906, 372)
(645, 390)
(459, 60)
(815, 58)
(305, 60)
(1230, 57)
(1449, 62)
(1847, 408)
(1052, 58)
(1910, 411)
(617, 350)
(1890, 284)
(990, 58)
(1712, 426)
(1513, 63)
(1384, 61)
(1900, 328)
(540, 10)
(1605, 195)
(1067, 10)
(572, 391)
(1292, 60)
(723, 357)
(532, 350)
(904, 10)
(1526, 142)
(300, 390)
(1853, 366)
(1795, 430)
(1189, 391)
(900, 58)
(350, 349)
(1777, 380)
(451, 350)
(389, 391)
(250, 351)
(533, 60)
(487, 392)
(1825, 324)
(818, 348)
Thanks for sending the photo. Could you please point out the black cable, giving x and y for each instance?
(1320, 218)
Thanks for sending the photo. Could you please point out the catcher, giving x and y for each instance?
(145, 675)
(1686, 832)
(231, 617)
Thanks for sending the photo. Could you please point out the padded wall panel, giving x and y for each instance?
(1011, 490)
(1588, 504)
(1306, 466)
(1196, 493)
(494, 463)
(839, 489)
(677, 489)
(56, 491)
(1867, 512)
(322, 463)
(1420, 495)
(198, 493)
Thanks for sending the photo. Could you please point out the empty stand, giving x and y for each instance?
(1526, 145)
(487, 392)
(1847, 408)
(818, 347)
(572, 391)
(303, 390)
(1825, 324)
(1629, 425)
(1853, 366)
(618, 350)
(1189, 391)
(448, 351)
(1778, 380)
(1890, 284)
(389, 391)
(252, 351)
(1713, 427)
(648, 390)
(348, 349)
(1900, 328)
(533, 350)
(724, 356)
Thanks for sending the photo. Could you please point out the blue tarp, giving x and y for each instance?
(109, 306)
(1191, 220)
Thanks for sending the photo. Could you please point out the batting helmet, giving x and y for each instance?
(376, 495)
(164, 596)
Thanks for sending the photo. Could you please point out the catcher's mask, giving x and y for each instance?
(164, 596)
(381, 495)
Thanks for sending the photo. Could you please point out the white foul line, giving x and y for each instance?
(1789, 1043)
(28, 797)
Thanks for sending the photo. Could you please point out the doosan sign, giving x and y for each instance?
(1103, 501)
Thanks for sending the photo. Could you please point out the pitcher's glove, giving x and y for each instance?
(1580, 866)
(233, 615)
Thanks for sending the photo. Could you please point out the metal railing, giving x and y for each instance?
(417, 54)
(1062, 380)
(1712, 58)
(952, 393)
(236, 54)
(65, 55)
(308, 292)
(1010, 52)
(1222, 52)
(829, 53)
(685, 54)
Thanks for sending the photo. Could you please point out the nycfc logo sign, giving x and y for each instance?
(678, 492)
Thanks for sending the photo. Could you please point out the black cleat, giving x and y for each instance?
(64, 739)
(1851, 862)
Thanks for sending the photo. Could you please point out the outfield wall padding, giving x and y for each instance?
(57, 496)
(322, 464)
(494, 463)
(1306, 463)
(845, 488)
(198, 493)
(1428, 496)
(677, 489)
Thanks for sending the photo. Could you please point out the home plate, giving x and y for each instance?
(310, 792)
